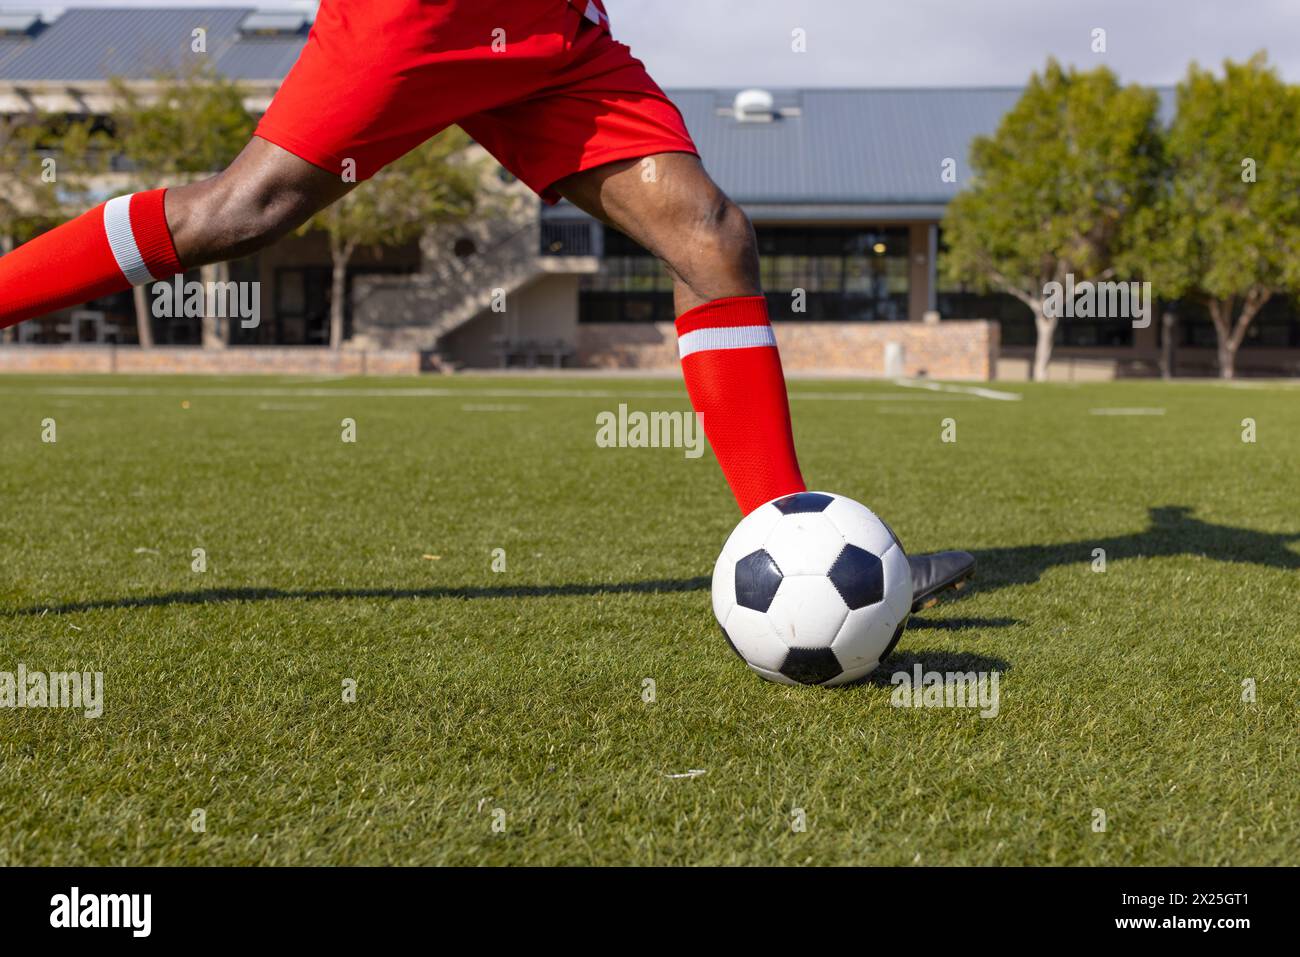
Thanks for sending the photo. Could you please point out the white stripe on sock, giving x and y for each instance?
(725, 337)
(117, 224)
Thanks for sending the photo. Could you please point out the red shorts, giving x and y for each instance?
(544, 89)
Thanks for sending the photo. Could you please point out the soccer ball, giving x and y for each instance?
(812, 589)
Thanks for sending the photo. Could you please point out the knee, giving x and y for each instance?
(719, 244)
(723, 233)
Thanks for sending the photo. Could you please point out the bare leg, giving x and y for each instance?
(266, 193)
(675, 210)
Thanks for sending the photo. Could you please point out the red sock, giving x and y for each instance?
(733, 375)
(121, 244)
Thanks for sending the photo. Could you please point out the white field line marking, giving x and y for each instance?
(868, 397)
(1235, 384)
(906, 410)
(501, 407)
(964, 389)
(428, 393)
(1120, 411)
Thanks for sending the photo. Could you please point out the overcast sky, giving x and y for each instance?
(918, 42)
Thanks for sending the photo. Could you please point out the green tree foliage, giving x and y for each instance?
(437, 182)
(182, 127)
(1225, 228)
(179, 129)
(50, 165)
(1052, 189)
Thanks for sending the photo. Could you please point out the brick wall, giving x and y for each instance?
(181, 360)
(949, 350)
(957, 349)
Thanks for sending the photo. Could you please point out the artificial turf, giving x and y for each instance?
(500, 716)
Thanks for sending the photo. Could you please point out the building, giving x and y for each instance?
(844, 187)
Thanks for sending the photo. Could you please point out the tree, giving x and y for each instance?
(434, 183)
(50, 164)
(185, 127)
(1052, 188)
(1225, 228)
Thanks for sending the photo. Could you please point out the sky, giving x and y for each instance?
(917, 42)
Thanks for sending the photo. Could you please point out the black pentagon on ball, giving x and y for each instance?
(810, 666)
(757, 579)
(858, 576)
(803, 502)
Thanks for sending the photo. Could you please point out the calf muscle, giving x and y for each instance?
(263, 195)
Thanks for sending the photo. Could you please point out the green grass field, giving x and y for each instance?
(522, 690)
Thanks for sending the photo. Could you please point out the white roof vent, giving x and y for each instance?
(754, 106)
(273, 23)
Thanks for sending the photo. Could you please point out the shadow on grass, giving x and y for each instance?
(959, 624)
(905, 662)
(208, 596)
(1172, 531)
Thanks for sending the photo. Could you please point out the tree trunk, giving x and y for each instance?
(212, 333)
(143, 317)
(226, 326)
(1167, 331)
(340, 253)
(1046, 326)
(1227, 358)
(1232, 333)
(7, 246)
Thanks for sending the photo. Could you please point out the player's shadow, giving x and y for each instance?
(208, 596)
(1171, 531)
(658, 586)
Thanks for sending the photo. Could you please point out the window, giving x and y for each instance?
(852, 274)
(1277, 325)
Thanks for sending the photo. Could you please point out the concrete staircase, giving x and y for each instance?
(466, 269)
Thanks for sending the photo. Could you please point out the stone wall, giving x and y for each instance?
(958, 349)
(185, 360)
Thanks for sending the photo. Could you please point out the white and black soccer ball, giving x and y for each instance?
(812, 589)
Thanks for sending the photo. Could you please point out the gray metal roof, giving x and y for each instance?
(8, 47)
(835, 146)
(140, 43)
(260, 58)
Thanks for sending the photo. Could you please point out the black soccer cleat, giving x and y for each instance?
(936, 572)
